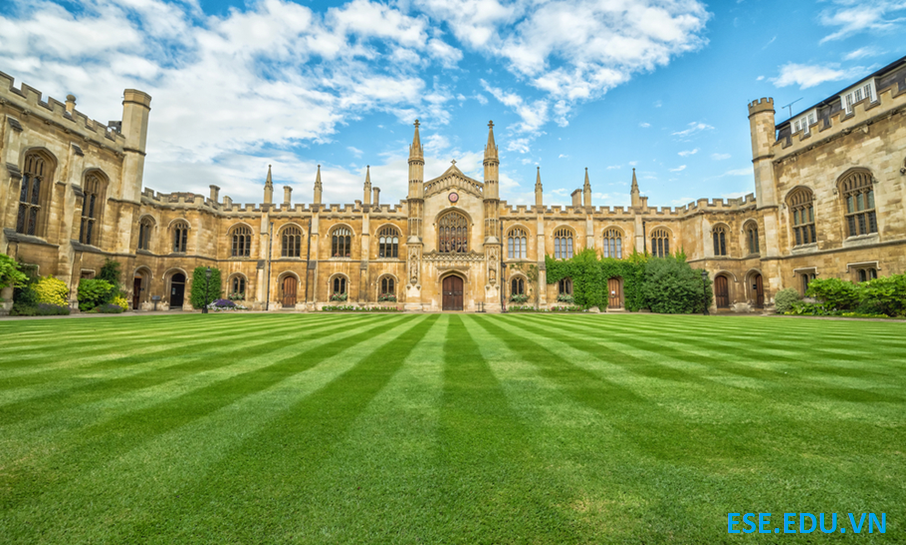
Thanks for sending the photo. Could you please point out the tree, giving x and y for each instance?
(110, 272)
(10, 275)
(199, 297)
(671, 286)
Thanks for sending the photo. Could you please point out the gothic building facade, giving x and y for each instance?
(828, 201)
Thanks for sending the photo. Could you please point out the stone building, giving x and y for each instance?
(828, 201)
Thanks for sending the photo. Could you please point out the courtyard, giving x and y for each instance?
(445, 428)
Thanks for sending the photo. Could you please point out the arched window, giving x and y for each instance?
(565, 286)
(35, 183)
(613, 243)
(453, 234)
(867, 273)
(237, 288)
(292, 242)
(242, 241)
(144, 233)
(752, 237)
(719, 234)
(517, 286)
(341, 242)
(859, 196)
(338, 288)
(94, 189)
(563, 244)
(516, 244)
(388, 289)
(388, 242)
(803, 211)
(660, 242)
(180, 236)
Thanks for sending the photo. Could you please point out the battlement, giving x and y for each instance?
(765, 104)
(29, 101)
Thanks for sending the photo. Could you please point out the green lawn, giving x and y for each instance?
(337, 428)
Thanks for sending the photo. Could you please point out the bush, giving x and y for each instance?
(10, 274)
(110, 272)
(110, 308)
(339, 297)
(121, 302)
(387, 298)
(224, 303)
(200, 297)
(564, 298)
(835, 293)
(785, 299)
(885, 295)
(45, 309)
(51, 291)
(518, 298)
(94, 293)
(673, 287)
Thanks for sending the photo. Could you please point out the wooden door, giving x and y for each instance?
(759, 291)
(452, 293)
(615, 293)
(177, 290)
(722, 292)
(136, 292)
(289, 291)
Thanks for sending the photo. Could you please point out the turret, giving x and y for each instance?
(215, 193)
(136, 108)
(762, 131)
(416, 166)
(586, 191)
(268, 187)
(539, 193)
(287, 196)
(367, 199)
(634, 191)
(491, 166)
(318, 188)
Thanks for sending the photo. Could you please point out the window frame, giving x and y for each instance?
(388, 242)
(180, 237)
(564, 246)
(241, 241)
(341, 242)
(291, 241)
(613, 243)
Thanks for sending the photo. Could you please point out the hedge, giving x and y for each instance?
(199, 297)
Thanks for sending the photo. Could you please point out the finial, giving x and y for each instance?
(417, 123)
(453, 162)
(491, 124)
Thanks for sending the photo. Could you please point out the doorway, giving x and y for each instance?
(289, 291)
(136, 292)
(615, 293)
(722, 291)
(177, 290)
(758, 288)
(452, 293)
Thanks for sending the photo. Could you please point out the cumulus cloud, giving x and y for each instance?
(805, 75)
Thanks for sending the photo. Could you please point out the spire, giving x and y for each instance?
(586, 190)
(415, 150)
(268, 187)
(490, 152)
(634, 191)
(538, 179)
(587, 184)
(539, 192)
(635, 182)
(367, 198)
(318, 188)
(270, 179)
(367, 174)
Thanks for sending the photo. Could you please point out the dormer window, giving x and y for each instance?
(860, 92)
(803, 122)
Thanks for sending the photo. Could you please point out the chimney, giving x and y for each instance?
(70, 104)
(377, 196)
(227, 202)
(215, 193)
(287, 195)
(577, 198)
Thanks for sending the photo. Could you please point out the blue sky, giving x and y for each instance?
(658, 85)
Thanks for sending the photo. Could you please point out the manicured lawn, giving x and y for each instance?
(335, 428)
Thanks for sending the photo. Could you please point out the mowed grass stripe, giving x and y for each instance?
(268, 476)
(115, 377)
(123, 497)
(131, 429)
(481, 498)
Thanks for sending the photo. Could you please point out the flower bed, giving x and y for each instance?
(354, 308)
(222, 305)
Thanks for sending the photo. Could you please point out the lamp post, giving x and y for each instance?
(207, 282)
(705, 292)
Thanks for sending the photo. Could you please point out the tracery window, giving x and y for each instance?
(565, 286)
(802, 209)
(93, 188)
(752, 237)
(338, 285)
(613, 243)
(35, 181)
(242, 241)
(867, 273)
(516, 244)
(517, 286)
(237, 288)
(144, 233)
(292, 242)
(859, 196)
(388, 242)
(341, 242)
(453, 234)
(719, 234)
(563, 244)
(660, 242)
(806, 278)
(388, 287)
(180, 236)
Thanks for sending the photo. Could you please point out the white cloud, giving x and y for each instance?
(747, 171)
(862, 53)
(851, 17)
(720, 156)
(355, 151)
(614, 167)
(678, 169)
(806, 76)
(759, 78)
(687, 153)
(695, 128)
(644, 125)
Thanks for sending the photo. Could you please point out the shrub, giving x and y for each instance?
(224, 303)
(885, 295)
(518, 298)
(46, 309)
(93, 293)
(10, 274)
(339, 297)
(387, 297)
(564, 298)
(673, 287)
(110, 308)
(785, 299)
(835, 293)
(51, 291)
(201, 297)
(110, 272)
(121, 302)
